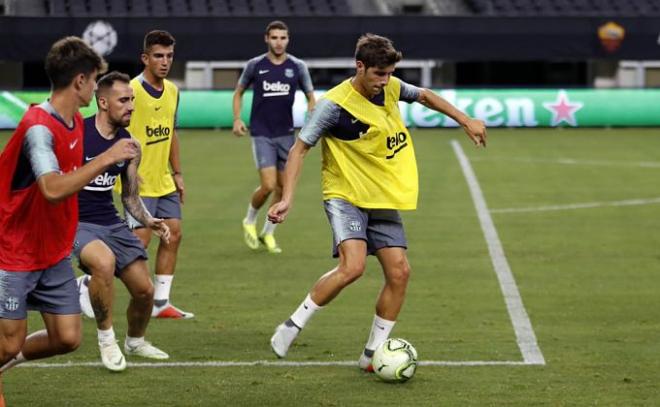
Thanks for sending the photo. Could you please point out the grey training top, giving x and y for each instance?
(329, 117)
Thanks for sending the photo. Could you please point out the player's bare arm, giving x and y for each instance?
(56, 187)
(311, 101)
(130, 198)
(475, 129)
(175, 163)
(239, 127)
(294, 164)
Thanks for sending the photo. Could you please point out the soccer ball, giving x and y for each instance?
(395, 360)
(101, 36)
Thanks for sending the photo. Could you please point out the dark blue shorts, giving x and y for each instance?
(271, 151)
(380, 228)
(52, 290)
(164, 207)
(126, 247)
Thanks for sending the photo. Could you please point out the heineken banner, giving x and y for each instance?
(497, 108)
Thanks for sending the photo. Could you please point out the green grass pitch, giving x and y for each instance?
(585, 256)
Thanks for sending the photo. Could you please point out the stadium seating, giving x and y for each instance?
(285, 8)
(564, 7)
(187, 8)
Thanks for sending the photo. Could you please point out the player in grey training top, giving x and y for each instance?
(330, 118)
(275, 76)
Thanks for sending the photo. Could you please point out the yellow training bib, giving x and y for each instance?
(378, 169)
(152, 124)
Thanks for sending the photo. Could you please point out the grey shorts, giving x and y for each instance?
(378, 227)
(164, 207)
(126, 247)
(271, 151)
(52, 290)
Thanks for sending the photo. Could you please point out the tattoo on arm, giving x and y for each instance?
(130, 191)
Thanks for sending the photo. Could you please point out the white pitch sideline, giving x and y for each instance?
(270, 363)
(522, 326)
(584, 205)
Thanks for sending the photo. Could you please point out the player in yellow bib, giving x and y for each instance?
(369, 172)
(162, 189)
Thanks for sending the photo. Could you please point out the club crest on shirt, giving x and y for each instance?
(288, 72)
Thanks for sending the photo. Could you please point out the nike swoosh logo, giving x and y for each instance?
(305, 305)
(120, 362)
(73, 144)
(158, 108)
(89, 158)
(353, 121)
(261, 72)
(382, 328)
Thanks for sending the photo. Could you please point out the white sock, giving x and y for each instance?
(163, 285)
(19, 358)
(269, 228)
(380, 331)
(251, 216)
(106, 336)
(134, 342)
(304, 312)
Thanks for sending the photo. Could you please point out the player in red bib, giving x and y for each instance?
(42, 171)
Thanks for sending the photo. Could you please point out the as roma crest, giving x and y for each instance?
(611, 36)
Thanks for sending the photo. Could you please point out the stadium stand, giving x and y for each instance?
(186, 8)
(564, 7)
(286, 8)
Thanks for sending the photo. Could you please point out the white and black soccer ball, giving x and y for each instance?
(395, 360)
(101, 36)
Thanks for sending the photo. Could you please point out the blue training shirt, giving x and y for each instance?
(95, 204)
(274, 90)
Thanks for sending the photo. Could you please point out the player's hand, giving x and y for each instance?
(476, 131)
(240, 129)
(278, 212)
(180, 187)
(160, 228)
(124, 149)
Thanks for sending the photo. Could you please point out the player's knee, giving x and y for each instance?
(175, 236)
(267, 188)
(104, 267)
(10, 347)
(144, 293)
(68, 341)
(352, 271)
(400, 273)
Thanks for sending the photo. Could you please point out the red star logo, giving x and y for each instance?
(563, 110)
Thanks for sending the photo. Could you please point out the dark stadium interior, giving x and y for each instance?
(475, 43)
(201, 8)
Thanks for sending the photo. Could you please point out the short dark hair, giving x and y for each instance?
(276, 25)
(157, 37)
(69, 57)
(108, 80)
(374, 50)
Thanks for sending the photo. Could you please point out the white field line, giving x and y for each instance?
(584, 205)
(572, 161)
(524, 333)
(521, 324)
(269, 363)
(10, 97)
